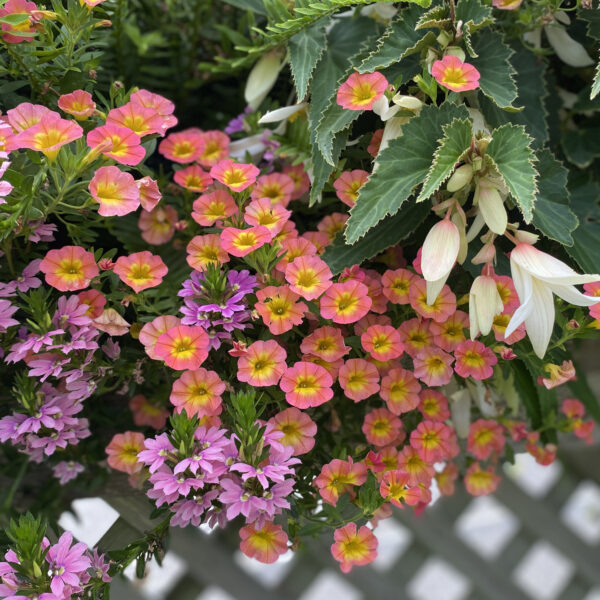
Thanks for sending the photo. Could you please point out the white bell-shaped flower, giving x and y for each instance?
(537, 276)
(484, 304)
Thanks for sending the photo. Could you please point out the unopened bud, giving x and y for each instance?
(505, 352)
(491, 206)
(573, 324)
(461, 177)
(444, 38)
(455, 51)
(103, 23)
(106, 264)
(526, 237)
(407, 102)
(262, 78)
(482, 144)
(181, 225)
(485, 256)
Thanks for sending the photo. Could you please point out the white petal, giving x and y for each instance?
(279, 114)
(460, 408)
(474, 329)
(568, 50)
(492, 209)
(262, 78)
(476, 226)
(434, 288)
(485, 292)
(540, 322)
(523, 284)
(572, 295)
(440, 249)
(547, 268)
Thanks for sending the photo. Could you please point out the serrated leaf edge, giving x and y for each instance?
(531, 161)
(436, 157)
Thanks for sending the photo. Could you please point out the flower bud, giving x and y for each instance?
(526, 237)
(464, 245)
(262, 78)
(484, 304)
(444, 38)
(407, 102)
(491, 206)
(461, 177)
(486, 255)
(455, 51)
(440, 250)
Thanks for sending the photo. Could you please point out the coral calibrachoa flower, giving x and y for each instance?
(236, 176)
(306, 385)
(354, 547)
(485, 437)
(454, 74)
(115, 191)
(346, 302)
(70, 268)
(433, 366)
(141, 120)
(262, 212)
(118, 143)
(359, 379)
(263, 364)
(481, 482)
(308, 276)
(400, 390)
(361, 90)
(79, 104)
(49, 135)
(298, 430)
(240, 242)
(214, 146)
(265, 544)
(382, 342)
(395, 488)
(381, 427)
(474, 359)
(183, 347)
(205, 249)
(21, 29)
(198, 392)
(396, 285)
(141, 270)
(193, 178)
(431, 441)
(280, 308)
(339, 477)
(216, 206)
(348, 184)
(123, 450)
(181, 147)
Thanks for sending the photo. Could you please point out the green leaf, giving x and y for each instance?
(496, 73)
(511, 154)
(402, 166)
(592, 17)
(473, 16)
(305, 50)
(527, 390)
(400, 39)
(438, 16)
(322, 170)
(587, 236)
(15, 19)
(552, 215)
(458, 137)
(334, 119)
(388, 232)
(531, 83)
(581, 145)
(255, 6)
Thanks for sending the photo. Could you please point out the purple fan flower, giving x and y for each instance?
(41, 232)
(156, 453)
(191, 511)
(100, 567)
(66, 564)
(65, 471)
(6, 312)
(239, 501)
(26, 281)
(69, 311)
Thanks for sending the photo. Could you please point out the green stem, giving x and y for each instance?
(15, 486)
